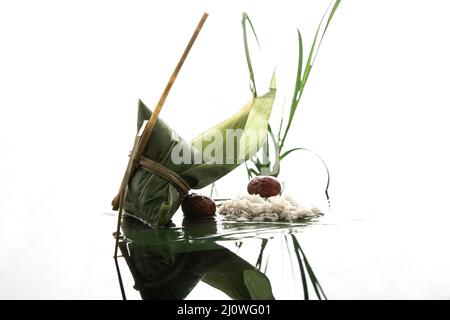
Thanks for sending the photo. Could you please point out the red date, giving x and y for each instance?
(265, 186)
(197, 206)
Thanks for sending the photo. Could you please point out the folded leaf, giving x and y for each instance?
(209, 157)
(166, 266)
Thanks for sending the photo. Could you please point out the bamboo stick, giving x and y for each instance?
(141, 142)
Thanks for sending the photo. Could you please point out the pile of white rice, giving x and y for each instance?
(249, 207)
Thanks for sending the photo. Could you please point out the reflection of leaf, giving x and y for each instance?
(166, 266)
(316, 285)
(257, 285)
(261, 253)
(304, 264)
(170, 262)
(302, 272)
(230, 278)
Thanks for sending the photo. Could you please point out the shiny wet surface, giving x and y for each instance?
(351, 254)
(344, 256)
(68, 121)
(214, 258)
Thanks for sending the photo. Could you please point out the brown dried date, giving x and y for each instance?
(265, 186)
(197, 206)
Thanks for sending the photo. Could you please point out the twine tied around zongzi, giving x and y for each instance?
(165, 173)
(161, 171)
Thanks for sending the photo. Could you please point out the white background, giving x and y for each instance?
(376, 108)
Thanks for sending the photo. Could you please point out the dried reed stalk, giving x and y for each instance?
(141, 141)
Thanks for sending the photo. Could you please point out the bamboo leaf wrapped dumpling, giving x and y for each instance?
(210, 156)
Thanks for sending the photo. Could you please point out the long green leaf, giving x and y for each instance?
(302, 271)
(257, 126)
(251, 171)
(245, 19)
(165, 265)
(300, 85)
(154, 200)
(273, 170)
(316, 284)
(320, 158)
(258, 264)
(258, 285)
(313, 52)
(330, 17)
(297, 89)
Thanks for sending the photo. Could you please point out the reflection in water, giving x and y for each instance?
(169, 263)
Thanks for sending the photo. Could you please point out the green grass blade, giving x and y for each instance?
(330, 17)
(302, 270)
(320, 158)
(316, 284)
(245, 19)
(288, 249)
(299, 87)
(281, 120)
(258, 264)
(313, 52)
(276, 166)
(249, 170)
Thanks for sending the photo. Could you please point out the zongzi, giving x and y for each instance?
(169, 165)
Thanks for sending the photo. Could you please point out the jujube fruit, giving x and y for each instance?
(265, 186)
(198, 206)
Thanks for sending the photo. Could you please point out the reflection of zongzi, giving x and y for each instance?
(153, 199)
(165, 266)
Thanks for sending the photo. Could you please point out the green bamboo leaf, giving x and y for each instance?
(258, 285)
(255, 130)
(153, 199)
(253, 121)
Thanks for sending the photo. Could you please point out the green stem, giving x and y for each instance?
(246, 18)
(302, 79)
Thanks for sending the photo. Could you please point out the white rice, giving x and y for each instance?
(248, 207)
